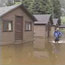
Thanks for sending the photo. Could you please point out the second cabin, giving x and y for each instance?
(42, 28)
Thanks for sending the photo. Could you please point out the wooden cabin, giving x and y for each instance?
(42, 30)
(16, 25)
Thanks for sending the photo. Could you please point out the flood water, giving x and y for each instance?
(26, 54)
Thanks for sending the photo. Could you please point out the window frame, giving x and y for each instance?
(30, 24)
(7, 21)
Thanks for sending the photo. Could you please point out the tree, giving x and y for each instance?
(2, 3)
(10, 2)
(34, 7)
(38, 6)
(59, 21)
(56, 8)
(26, 3)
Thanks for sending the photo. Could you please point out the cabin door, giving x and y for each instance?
(19, 28)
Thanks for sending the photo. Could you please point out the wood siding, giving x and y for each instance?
(9, 37)
(0, 31)
(39, 36)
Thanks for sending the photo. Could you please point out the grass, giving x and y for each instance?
(63, 20)
(63, 30)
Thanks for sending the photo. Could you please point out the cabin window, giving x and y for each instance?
(28, 26)
(7, 26)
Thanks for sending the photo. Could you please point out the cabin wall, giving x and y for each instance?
(52, 33)
(9, 37)
(39, 36)
(0, 31)
(28, 35)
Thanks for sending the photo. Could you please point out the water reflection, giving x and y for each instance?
(27, 54)
(51, 48)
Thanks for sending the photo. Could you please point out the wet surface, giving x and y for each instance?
(26, 54)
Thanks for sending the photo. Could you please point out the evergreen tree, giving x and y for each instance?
(10, 2)
(56, 8)
(34, 7)
(38, 6)
(26, 3)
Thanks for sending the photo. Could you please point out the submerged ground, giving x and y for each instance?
(26, 54)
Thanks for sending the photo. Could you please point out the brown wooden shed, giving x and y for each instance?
(16, 25)
(42, 30)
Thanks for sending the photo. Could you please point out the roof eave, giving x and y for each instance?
(25, 10)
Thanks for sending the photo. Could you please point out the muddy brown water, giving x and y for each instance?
(26, 54)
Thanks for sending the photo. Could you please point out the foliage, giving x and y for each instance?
(63, 20)
(44, 7)
(27, 3)
(17, 3)
(62, 2)
(9, 2)
(40, 6)
(56, 8)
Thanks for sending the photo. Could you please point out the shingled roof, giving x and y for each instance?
(6, 9)
(42, 19)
